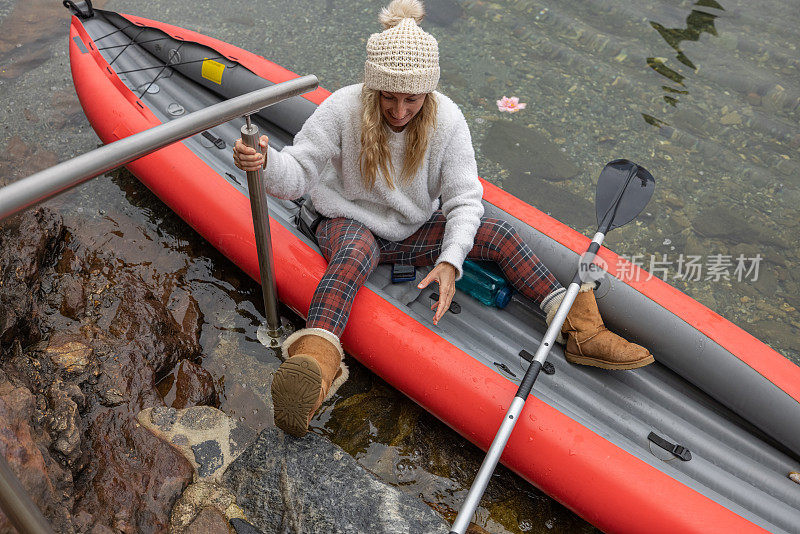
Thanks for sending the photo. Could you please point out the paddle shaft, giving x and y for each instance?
(17, 506)
(622, 206)
(504, 433)
(47, 183)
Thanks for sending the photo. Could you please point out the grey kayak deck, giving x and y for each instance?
(733, 463)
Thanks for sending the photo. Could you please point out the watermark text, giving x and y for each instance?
(714, 267)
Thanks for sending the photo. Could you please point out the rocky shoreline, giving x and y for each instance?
(81, 354)
(85, 353)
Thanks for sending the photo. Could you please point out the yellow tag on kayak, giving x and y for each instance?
(212, 70)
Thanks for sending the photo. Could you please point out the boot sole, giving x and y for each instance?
(584, 360)
(295, 390)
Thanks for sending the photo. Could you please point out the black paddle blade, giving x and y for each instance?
(623, 190)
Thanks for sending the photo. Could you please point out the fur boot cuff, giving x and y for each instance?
(338, 381)
(586, 286)
(550, 306)
(553, 301)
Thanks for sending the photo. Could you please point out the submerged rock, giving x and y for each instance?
(69, 352)
(209, 521)
(526, 151)
(443, 12)
(64, 421)
(187, 385)
(569, 208)
(73, 298)
(731, 225)
(28, 243)
(133, 478)
(24, 445)
(310, 485)
(186, 312)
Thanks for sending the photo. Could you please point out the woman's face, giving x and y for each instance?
(399, 108)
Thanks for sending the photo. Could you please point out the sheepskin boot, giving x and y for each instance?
(589, 342)
(311, 373)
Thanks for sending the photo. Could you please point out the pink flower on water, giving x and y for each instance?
(512, 105)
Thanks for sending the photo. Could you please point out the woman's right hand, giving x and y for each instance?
(248, 159)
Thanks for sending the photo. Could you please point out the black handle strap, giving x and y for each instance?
(79, 9)
(547, 367)
(678, 450)
(219, 143)
(455, 307)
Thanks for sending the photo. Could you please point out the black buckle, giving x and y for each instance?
(678, 450)
(547, 367)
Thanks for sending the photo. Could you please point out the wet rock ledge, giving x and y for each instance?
(277, 483)
(84, 341)
(82, 344)
(312, 486)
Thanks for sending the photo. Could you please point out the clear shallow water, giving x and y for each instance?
(704, 95)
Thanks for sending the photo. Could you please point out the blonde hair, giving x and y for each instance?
(375, 156)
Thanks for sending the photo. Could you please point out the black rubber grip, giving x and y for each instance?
(527, 381)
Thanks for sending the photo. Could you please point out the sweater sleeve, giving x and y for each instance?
(294, 171)
(461, 197)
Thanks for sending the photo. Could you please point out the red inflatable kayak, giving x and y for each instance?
(583, 435)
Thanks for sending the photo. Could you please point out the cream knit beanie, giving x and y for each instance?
(403, 58)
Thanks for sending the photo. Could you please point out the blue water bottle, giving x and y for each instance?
(486, 286)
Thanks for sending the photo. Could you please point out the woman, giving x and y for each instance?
(376, 157)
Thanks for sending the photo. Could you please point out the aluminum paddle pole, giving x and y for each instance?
(501, 438)
(18, 507)
(623, 190)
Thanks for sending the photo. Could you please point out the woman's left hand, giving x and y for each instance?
(445, 274)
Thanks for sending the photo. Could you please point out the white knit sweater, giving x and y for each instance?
(324, 162)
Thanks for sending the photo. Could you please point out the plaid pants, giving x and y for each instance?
(353, 252)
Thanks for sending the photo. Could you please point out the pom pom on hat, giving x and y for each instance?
(398, 10)
(403, 58)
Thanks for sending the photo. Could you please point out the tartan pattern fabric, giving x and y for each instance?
(353, 252)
